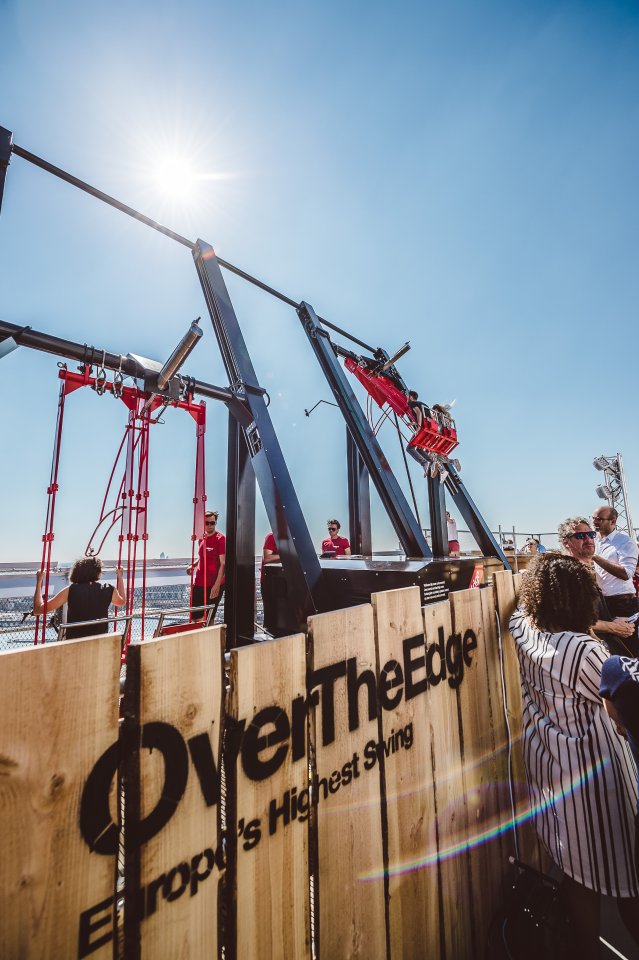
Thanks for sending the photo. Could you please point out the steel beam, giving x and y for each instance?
(299, 561)
(437, 511)
(36, 340)
(359, 500)
(239, 594)
(401, 516)
(6, 145)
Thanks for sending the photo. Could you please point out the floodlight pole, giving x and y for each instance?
(615, 481)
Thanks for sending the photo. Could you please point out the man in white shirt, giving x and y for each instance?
(615, 559)
(453, 536)
(578, 541)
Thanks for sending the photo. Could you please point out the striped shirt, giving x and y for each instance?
(582, 780)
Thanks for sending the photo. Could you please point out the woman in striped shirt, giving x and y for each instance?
(581, 777)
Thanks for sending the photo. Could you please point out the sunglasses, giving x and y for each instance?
(210, 523)
(332, 528)
(582, 535)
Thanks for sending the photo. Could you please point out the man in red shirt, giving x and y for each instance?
(335, 545)
(209, 570)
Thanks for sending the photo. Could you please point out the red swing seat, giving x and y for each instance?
(434, 438)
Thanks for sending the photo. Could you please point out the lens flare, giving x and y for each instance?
(457, 847)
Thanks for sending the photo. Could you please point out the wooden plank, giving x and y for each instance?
(272, 892)
(499, 804)
(58, 716)
(350, 854)
(529, 846)
(487, 860)
(457, 933)
(407, 774)
(181, 690)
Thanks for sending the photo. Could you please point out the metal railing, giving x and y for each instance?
(116, 621)
(160, 613)
(207, 620)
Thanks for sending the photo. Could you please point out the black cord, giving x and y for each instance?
(410, 481)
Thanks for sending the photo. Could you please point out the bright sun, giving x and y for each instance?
(175, 178)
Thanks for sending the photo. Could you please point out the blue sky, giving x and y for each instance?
(462, 175)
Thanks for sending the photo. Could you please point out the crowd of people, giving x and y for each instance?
(87, 602)
(576, 639)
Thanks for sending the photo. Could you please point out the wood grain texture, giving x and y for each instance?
(504, 846)
(410, 802)
(273, 914)
(450, 800)
(506, 586)
(182, 685)
(351, 867)
(58, 715)
(478, 711)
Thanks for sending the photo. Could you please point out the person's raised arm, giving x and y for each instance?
(57, 601)
(119, 593)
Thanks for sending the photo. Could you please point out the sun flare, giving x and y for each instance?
(175, 178)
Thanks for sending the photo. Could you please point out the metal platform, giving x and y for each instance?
(351, 580)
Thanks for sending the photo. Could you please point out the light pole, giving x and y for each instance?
(614, 489)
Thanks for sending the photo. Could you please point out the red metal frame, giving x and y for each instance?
(133, 492)
(381, 389)
(199, 502)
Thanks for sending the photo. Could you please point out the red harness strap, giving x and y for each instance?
(135, 495)
(48, 535)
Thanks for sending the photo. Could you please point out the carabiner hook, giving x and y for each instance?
(100, 377)
(118, 382)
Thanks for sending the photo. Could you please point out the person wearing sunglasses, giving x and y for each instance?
(578, 541)
(334, 545)
(616, 561)
(208, 584)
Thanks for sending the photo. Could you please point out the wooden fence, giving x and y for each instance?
(345, 796)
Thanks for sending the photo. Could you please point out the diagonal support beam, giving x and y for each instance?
(301, 566)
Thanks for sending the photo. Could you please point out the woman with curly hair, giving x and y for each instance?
(86, 599)
(581, 777)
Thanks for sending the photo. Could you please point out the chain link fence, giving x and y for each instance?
(17, 623)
